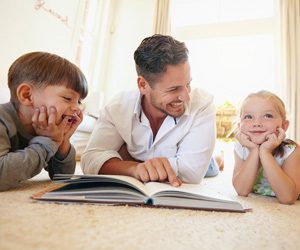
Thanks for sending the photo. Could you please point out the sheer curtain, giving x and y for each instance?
(161, 22)
(290, 50)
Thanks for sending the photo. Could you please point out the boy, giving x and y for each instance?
(43, 113)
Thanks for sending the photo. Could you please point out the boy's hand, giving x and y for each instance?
(45, 124)
(273, 141)
(72, 124)
(245, 140)
(157, 169)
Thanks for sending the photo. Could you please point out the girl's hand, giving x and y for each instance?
(44, 124)
(273, 141)
(245, 140)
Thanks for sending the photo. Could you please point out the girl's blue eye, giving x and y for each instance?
(247, 117)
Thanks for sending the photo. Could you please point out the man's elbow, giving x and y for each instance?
(193, 179)
(87, 165)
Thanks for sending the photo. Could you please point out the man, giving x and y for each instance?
(164, 131)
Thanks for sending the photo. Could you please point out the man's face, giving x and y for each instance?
(170, 93)
(65, 100)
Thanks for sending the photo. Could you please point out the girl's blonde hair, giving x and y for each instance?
(267, 95)
(280, 107)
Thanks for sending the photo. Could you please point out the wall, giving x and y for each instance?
(25, 28)
(132, 22)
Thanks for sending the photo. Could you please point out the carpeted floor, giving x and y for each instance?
(26, 224)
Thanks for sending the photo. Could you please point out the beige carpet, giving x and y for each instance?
(25, 224)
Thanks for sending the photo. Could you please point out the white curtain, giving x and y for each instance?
(290, 51)
(161, 22)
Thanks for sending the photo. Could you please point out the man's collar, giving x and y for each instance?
(138, 107)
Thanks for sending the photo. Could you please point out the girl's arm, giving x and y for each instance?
(245, 172)
(284, 181)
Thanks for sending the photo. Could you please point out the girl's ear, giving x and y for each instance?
(24, 94)
(142, 84)
(285, 125)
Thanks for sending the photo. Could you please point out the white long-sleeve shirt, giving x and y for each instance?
(187, 142)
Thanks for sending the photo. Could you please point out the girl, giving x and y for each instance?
(265, 162)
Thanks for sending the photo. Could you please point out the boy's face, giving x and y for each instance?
(259, 118)
(65, 100)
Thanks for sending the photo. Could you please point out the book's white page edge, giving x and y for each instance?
(154, 188)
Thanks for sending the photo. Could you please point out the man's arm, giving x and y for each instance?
(195, 149)
(104, 155)
(156, 169)
(103, 145)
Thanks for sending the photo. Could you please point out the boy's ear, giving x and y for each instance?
(285, 125)
(24, 94)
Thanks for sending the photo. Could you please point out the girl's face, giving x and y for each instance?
(65, 100)
(259, 118)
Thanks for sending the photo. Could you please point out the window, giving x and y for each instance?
(232, 45)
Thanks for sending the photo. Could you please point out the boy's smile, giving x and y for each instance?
(65, 100)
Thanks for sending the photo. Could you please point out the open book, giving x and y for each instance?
(118, 189)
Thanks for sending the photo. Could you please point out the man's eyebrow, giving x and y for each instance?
(174, 87)
(179, 85)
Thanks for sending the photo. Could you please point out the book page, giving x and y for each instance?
(130, 181)
(126, 180)
(156, 189)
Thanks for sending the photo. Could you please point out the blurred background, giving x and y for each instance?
(236, 46)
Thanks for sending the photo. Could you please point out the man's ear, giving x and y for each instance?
(142, 84)
(24, 94)
(285, 125)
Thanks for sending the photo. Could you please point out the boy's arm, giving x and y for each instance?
(64, 160)
(23, 164)
(62, 164)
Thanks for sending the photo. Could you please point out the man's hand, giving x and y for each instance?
(157, 169)
(245, 140)
(273, 141)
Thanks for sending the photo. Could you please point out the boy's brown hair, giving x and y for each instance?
(41, 69)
